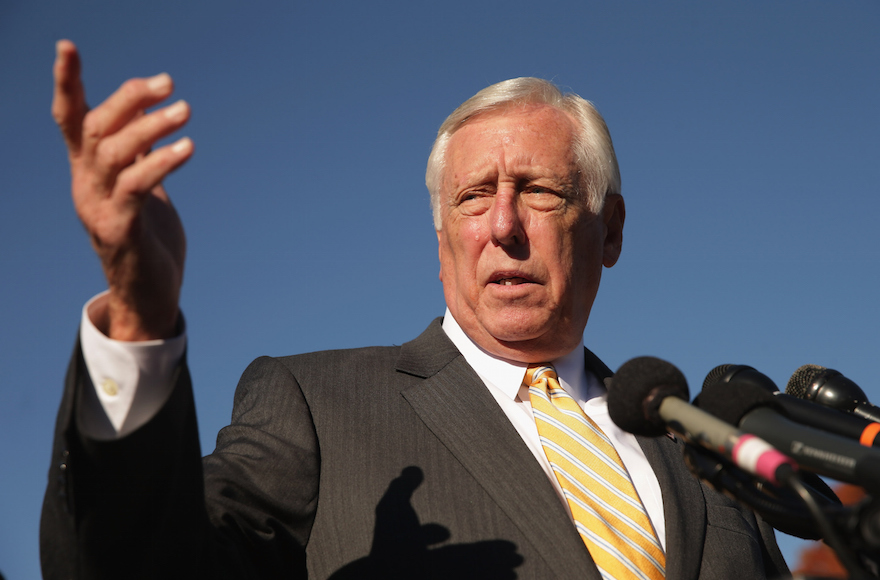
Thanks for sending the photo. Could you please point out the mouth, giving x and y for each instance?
(510, 279)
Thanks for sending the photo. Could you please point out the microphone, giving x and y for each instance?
(831, 389)
(750, 406)
(649, 395)
(801, 410)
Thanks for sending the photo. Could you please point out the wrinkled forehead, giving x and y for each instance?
(540, 137)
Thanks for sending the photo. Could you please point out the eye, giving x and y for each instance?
(542, 198)
(474, 201)
(542, 190)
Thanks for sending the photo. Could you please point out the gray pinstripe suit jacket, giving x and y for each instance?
(383, 462)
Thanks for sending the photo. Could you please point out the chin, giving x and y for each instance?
(517, 326)
(542, 335)
(520, 332)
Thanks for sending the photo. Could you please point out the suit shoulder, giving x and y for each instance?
(335, 360)
(373, 369)
(322, 373)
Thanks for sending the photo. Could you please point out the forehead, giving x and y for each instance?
(526, 139)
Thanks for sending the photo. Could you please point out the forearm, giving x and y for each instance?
(143, 505)
(115, 508)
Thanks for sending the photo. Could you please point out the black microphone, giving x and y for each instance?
(802, 410)
(830, 388)
(648, 396)
(755, 410)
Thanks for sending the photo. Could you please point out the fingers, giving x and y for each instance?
(117, 151)
(114, 133)
(149, 171)
(68, 102)
(116, 136)
(127, 103)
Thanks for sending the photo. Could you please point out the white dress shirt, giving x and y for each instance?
(504, 381)
(132, 380)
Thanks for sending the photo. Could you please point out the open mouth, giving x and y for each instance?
(511, 281)
(510, 278)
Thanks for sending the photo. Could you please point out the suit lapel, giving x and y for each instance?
(455, 405)
(683, 507)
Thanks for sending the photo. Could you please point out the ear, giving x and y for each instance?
(440, 252)
(613, 214)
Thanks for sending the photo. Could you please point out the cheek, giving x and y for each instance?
(464, 243)
(453, 254)
(584, 256)
(471, 231)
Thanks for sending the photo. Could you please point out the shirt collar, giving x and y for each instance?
(507, 376)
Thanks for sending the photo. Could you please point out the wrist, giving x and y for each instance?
(116, 319)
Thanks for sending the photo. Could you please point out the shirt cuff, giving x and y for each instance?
(132, 380)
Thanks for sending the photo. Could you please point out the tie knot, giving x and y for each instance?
(538, 372)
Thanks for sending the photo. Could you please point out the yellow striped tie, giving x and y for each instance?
(606, 509)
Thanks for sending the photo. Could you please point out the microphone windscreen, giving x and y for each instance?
(801, 380)
(829, 388)
(731, 401)
(716, 375)
(741, 374)
(637, 389)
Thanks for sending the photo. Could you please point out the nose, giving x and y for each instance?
(505, 221)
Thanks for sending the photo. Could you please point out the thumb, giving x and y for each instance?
(69, 101)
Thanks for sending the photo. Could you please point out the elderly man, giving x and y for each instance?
(480, 449)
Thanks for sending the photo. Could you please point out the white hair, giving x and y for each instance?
(594, 152)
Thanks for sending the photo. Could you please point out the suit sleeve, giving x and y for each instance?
(145, 506)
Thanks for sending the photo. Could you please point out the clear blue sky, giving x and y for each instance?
(747, 133)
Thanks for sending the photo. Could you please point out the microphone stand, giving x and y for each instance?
(852, 532)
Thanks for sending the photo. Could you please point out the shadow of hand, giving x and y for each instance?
(402, 546)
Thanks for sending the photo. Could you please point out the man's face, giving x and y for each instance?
(521, 255)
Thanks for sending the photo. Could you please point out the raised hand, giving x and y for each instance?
(117, 191)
